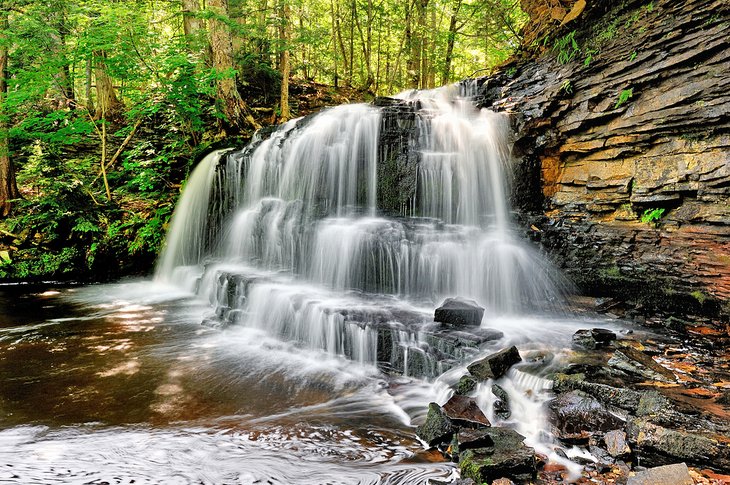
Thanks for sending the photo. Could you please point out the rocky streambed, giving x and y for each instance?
(631, 406)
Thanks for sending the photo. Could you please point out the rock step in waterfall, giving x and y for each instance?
(287, 234)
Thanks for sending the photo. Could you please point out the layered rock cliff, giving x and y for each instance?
(622, 115)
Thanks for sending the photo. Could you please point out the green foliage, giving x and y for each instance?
(624, 96)
(589, 53)
(632, 56)
(652, 216)
(566, 47)
(566, 87)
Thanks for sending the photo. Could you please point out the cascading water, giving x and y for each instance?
(285, 237)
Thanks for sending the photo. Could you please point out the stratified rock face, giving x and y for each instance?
(637, 124)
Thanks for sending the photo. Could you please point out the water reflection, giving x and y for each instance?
(137, 390)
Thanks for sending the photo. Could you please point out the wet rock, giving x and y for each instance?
(636, 362)
(437, 428)
(507, 458)
(503, 481)
(474, 438)
(657, 445)
(616, 444)
(501, 405)
(724, 398)
(465, 385)
(622, 398)
(677, 474)
(464, 411)
(495, 365)
(458, 481)
(459, 312)
(576, 414)
(593, 338)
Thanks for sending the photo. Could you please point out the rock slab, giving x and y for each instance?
(495, 365)
(677, 474)
(437, 428)
(509, 458)
(459, 312)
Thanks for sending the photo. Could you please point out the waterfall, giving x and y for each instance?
(286, 235)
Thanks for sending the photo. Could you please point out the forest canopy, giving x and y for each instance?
(106, 104)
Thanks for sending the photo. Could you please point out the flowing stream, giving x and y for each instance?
(317, 352)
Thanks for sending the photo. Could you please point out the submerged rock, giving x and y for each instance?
(594, 338)
(676, 474)
(575, 415)
(437, 428)
(495, 365)
(508, 457)
(464, 411)
(459, 312)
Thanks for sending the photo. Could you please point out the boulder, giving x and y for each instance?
(464, 411)
(465, 385)
(676, 474)
(437, 428)
(501, 405)
(594, 338)
(459, 312)
(576, 414)
(622, 398)
(508, 457)
(495, 365)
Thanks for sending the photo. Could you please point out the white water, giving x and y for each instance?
(304, 255)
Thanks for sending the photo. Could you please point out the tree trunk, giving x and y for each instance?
(232, 105)
(191, 22)
(284, 64)
(108, 105)
(8, 186)
(87, 90)
(334, 42)
(450, 40)
(411, 45)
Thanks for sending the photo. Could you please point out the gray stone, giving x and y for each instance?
(459, 312)
(474, 438)
(636, 362)
(495, 365)
(616, 444)
(437, 428)
(677, 474)
(622, 398)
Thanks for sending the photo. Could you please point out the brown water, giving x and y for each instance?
(121, 384)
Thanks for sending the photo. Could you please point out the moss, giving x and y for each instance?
(699, 296)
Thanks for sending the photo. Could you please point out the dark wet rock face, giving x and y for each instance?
(459, 312)
(576, 414)
(495, 365)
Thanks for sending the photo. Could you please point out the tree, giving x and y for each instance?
(8, 185)
(232, 105)
(284, 68)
